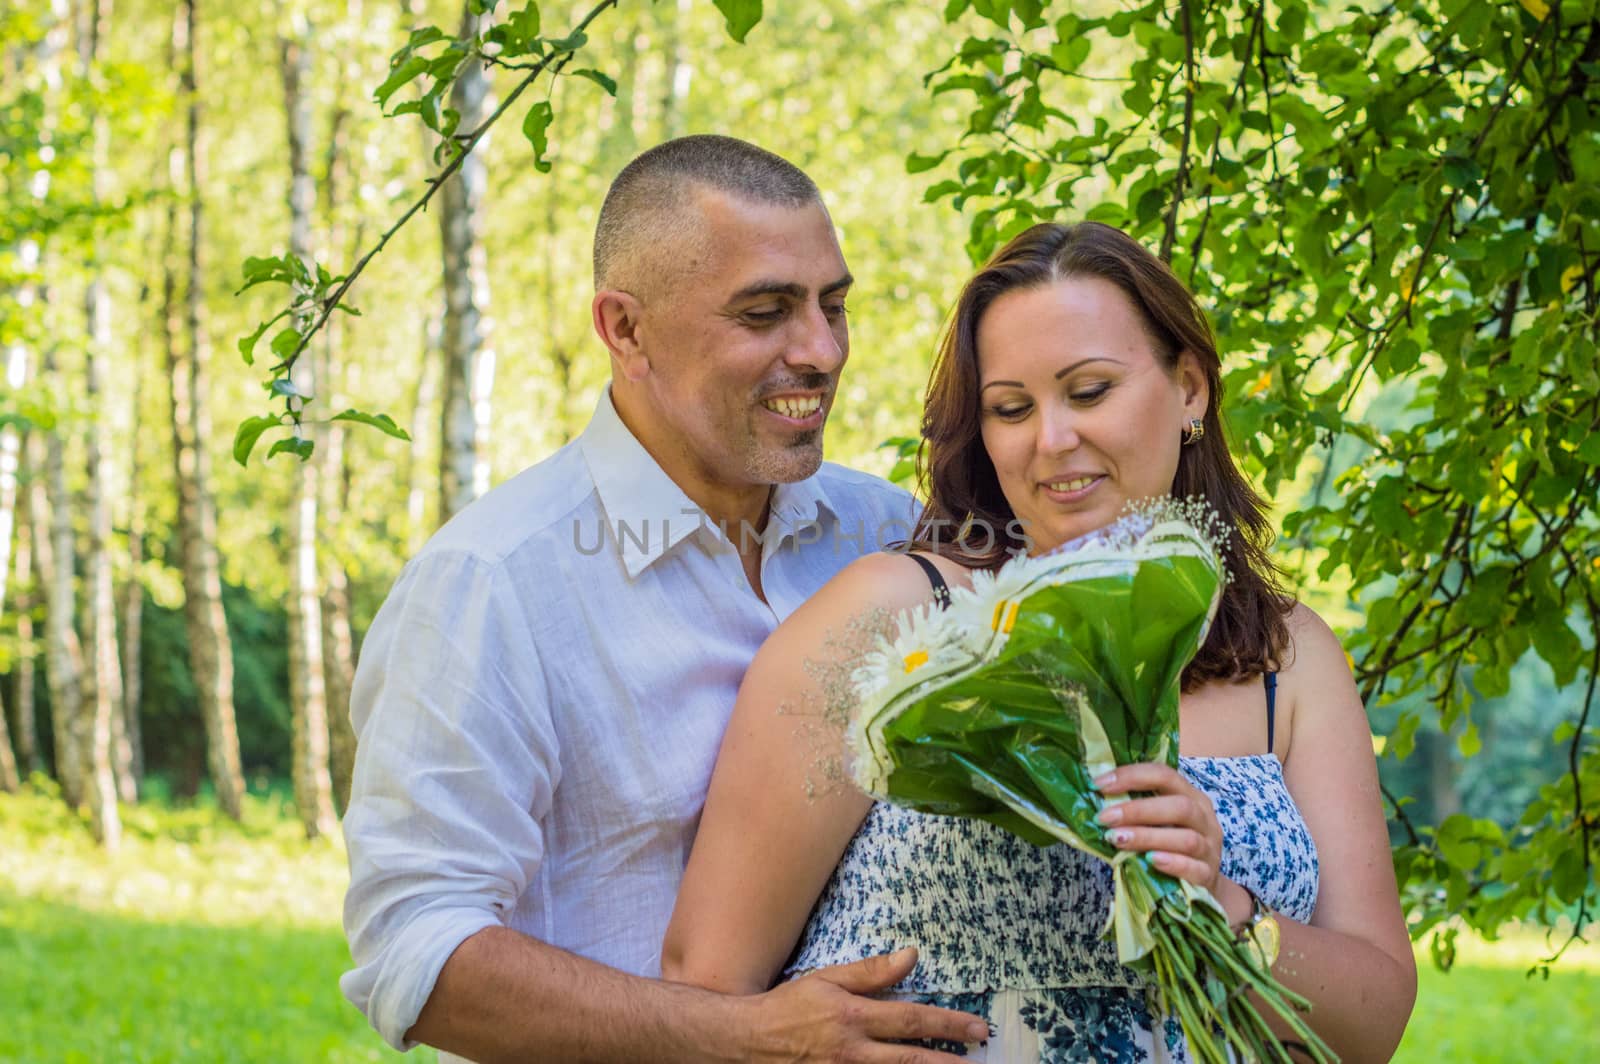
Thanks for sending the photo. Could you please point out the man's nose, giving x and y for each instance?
(818, 347)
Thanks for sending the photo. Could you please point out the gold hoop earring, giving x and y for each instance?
(1197, 431)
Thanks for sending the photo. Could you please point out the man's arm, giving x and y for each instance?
(503, 996)
(456, 768)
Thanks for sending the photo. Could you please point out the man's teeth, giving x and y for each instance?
(1075, 484)
(796, 408)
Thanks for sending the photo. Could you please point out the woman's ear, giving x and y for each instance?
(1193, 386)
(616, 317)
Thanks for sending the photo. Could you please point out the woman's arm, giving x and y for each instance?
(1354, 960)
(774, 824)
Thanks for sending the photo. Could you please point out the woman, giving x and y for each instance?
(1077, 375)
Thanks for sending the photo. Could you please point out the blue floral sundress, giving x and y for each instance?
(1012, 932)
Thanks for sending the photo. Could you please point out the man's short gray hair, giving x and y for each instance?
(647, 207)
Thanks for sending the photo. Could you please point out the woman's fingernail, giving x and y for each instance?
(1119, 837)
(1102, 782)
(1111, 814)
(978, 1032)
(1160, 857)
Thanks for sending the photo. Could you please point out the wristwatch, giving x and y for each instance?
(1261, 929)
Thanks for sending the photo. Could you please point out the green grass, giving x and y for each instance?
(201, 941)
(207, 941)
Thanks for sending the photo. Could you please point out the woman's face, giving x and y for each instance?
(1080, 415)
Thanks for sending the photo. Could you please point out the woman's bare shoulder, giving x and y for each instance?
(1313, 646)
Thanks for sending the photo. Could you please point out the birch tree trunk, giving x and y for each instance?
(313, 790)
(25, 595)
(10, 464)
(103, 679)
(210, 655)
(468, 357)
(423, 421)
(677, 71)
(338, 650)
(63, 652)
(10, 781)
(131, 607)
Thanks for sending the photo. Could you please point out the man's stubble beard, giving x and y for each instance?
(786, 465)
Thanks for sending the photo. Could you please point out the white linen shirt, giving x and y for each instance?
(538, 710)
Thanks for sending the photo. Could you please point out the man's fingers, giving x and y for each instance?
(871, 974)
(906, 1021)
(882, 1054)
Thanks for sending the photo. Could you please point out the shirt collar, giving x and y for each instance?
(649, 514)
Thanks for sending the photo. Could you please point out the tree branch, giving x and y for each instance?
(434, 184)
(1188, 129)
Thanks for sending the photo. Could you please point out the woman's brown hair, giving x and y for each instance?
(1249, 634)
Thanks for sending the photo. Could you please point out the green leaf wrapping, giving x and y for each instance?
(1051, 671)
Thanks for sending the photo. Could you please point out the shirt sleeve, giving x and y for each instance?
(456, 763)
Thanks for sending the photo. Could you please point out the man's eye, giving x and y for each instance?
(764, 316)
(838, 310)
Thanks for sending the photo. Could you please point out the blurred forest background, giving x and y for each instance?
(1389, 207)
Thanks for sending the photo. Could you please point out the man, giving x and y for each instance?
(541, 698)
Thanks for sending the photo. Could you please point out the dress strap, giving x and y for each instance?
(941, 591)
(1270, 680)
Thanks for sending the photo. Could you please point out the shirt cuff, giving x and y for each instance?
(392, 989)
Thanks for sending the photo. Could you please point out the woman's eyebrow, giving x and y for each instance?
(1059, 374)
(1082, 362)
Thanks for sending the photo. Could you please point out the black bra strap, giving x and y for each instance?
(1270, 679)
(941, 591)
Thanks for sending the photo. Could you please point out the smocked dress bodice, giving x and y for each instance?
(1013, 931)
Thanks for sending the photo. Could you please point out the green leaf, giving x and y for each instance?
(535, 126)
(285, 342)
(1403, 739)
(261, 270)
(602, 80)
(297, 445)
(916, 164)
(382, 422)
(740, 16)
(284, 388)
(570, 43)
(249, 431)
(523, 26)
(247, 344)
(403, 74)
(1567, 877)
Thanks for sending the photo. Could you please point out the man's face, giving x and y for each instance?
(746, 345)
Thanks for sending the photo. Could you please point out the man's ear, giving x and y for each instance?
(616, 317)
(1192, 385)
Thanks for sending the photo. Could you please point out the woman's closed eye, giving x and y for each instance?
(1010, 411)
(1016, 411)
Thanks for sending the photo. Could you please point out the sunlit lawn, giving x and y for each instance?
(205, 941)
(201, 941)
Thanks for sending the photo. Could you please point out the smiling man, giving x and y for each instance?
(538, 716)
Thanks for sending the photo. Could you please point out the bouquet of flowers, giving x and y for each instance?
(1050, 672)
